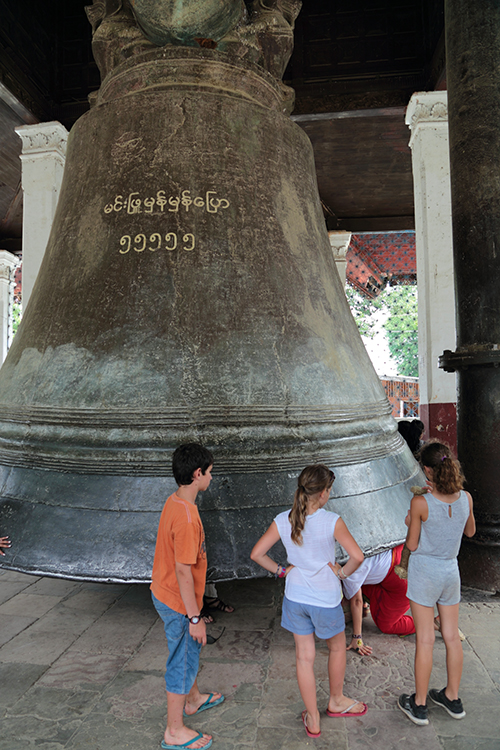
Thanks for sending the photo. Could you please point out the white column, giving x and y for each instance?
(8, 265)
(43, 157)
(427, 118)
(339, 242)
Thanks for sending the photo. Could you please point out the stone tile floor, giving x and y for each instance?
(81, 668)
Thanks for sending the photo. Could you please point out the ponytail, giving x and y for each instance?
(312, 480)
(447, 473)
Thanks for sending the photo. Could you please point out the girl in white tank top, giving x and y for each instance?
(311, 605)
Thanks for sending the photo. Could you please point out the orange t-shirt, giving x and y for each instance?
(180, 539)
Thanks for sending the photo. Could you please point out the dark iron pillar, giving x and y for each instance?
(473, 73)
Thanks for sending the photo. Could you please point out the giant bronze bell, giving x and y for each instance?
(188, 293)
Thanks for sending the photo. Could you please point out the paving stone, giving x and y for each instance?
(15, 681)
(481, 645)
(134, 701)
(289, 716)
(107, 732)
(283, 663)
(246, 618)
(469, 743)
(256, 592)
(482, 719)
(228, 721)
(137, 594)
(282, 637)
(15, 576)
(230, 681)
(48, 704)
(117, 631)
(389, 730)
(8, 589)
(377, 681)
(152, 653)
(53, 586)
(34, 731)
(45, 640)
(11, 625)
(241, 645)
(118, 589)
(28, 604)
(281, 692)
(74, 671)
(139, 688)
(95, 602)
(295, 738)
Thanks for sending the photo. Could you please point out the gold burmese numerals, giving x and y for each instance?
(156, 241)
(161, 204)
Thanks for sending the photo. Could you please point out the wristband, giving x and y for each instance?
(280, 571)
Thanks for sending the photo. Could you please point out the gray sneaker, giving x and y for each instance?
(417, 714)
(454, 708)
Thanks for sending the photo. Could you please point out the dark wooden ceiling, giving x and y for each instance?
(354, 68)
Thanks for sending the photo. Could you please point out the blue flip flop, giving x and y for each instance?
(208, 704)
(186, 744)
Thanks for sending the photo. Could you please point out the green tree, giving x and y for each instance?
(363, 309)
(17, 314)
(401, 325)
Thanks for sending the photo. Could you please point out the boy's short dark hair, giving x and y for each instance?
(187, 458)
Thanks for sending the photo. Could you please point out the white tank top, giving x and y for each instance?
(311, 581)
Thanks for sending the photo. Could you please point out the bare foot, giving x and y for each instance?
(346, 706)
(311, 724)
(182, 737)
(214, 603)
(191, 708)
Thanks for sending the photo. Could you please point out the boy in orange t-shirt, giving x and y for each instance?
(178, 583)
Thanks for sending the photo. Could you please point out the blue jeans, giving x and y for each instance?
(183, 651)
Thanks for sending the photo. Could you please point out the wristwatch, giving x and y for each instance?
(195, 619)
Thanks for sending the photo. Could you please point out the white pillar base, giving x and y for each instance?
(427, 117)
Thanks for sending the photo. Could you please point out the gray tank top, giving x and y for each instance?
(441, 535)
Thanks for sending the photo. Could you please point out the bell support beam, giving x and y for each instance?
(473, 79)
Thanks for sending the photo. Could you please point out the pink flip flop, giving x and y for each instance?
(309, 733)
(348, 712)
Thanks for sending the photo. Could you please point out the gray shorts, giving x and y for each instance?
(433, 580)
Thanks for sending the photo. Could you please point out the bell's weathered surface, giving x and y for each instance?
(188, 293)
(164, 22)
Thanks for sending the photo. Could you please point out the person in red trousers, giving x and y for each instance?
(376, 580)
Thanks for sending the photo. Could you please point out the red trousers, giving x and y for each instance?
(389, 602)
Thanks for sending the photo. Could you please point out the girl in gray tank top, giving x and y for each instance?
(436, 523)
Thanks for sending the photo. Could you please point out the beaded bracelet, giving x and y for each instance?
(280, 571)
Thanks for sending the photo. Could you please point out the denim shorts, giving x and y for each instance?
(183, 651)
(303, 619)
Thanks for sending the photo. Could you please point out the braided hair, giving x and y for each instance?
(312, 480)
(447, 473)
